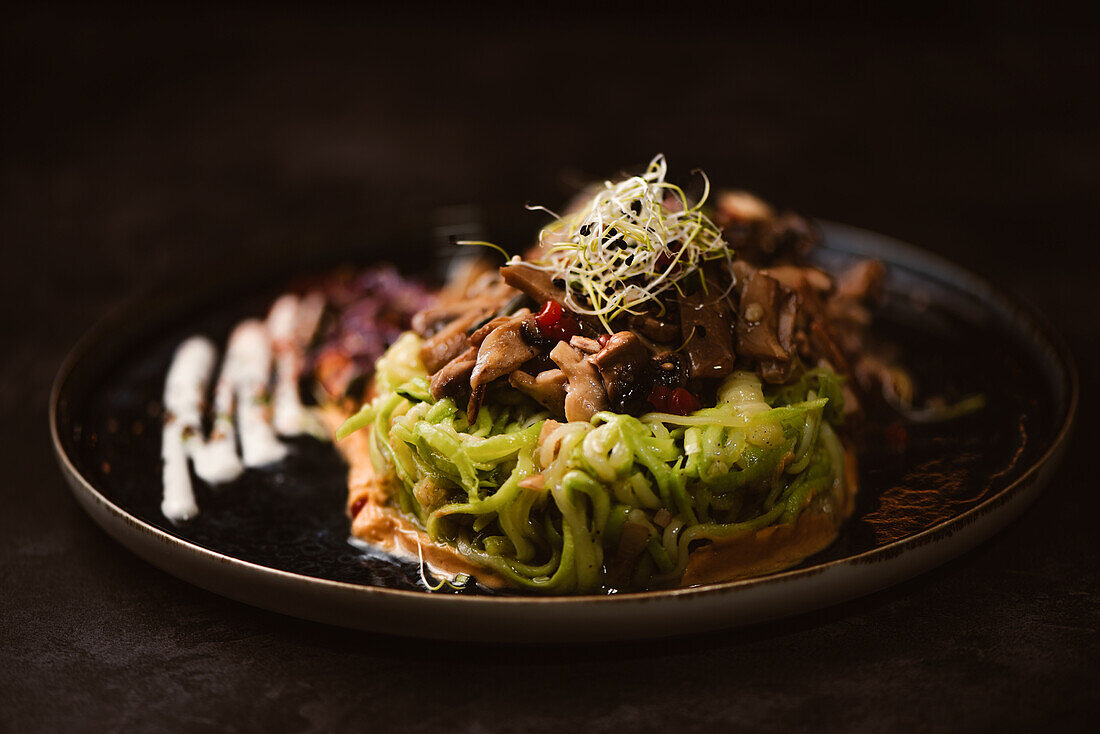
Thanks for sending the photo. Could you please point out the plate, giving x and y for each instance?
(278, 538)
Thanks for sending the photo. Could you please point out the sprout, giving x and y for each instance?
(631, 242)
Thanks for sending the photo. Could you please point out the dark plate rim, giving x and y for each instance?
(900, 253)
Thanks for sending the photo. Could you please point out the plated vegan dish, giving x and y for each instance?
(660, 392)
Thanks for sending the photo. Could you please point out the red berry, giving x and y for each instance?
(556, 323)
(604, 339)
(356, 506)
(564, 330)
(682, 402)
(658, 397)
(550, 314)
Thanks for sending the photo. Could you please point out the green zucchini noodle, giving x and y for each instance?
(544, 504)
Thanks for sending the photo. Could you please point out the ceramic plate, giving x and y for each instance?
(278, 538)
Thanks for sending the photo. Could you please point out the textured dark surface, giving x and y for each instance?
(142, 151)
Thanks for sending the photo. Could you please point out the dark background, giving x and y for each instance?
(144, 149)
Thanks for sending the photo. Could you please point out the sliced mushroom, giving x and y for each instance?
(547, 387)
(584, 394)
(826, 346)
(453, 379)
(847, 313)
(706, 323)
(478, 336)
(779, 370)
(429, 321)
(741, 206)
(536, 283)
(762, 298)
(798, 278)
(861, 280)
(450, 341)
(475, 288)
(758, 233)
(586, 345)
(625, 363)
(502, 352)
(656, 329)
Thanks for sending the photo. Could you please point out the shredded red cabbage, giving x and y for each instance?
(372, 307)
